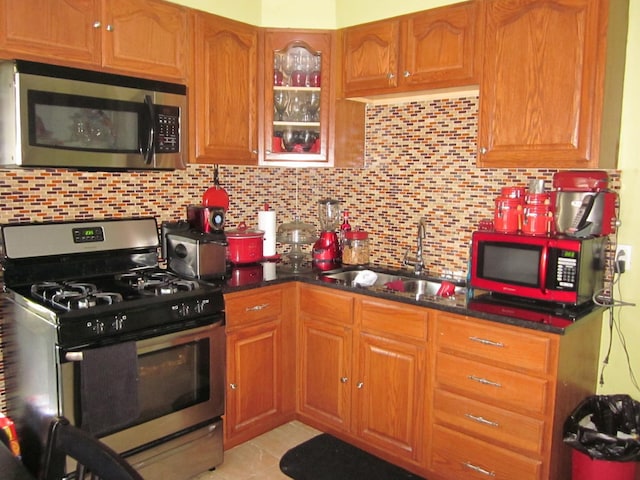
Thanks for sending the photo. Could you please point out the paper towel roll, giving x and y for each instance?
(267, 223)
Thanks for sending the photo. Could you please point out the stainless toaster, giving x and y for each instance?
(196, 254)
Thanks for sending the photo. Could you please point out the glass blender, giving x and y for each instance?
(326, 250)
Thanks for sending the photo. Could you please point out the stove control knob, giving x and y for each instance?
(97, 327)
(184, 310)
(201, 305)
(118, 322)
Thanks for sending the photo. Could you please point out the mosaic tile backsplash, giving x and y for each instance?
(420, 161)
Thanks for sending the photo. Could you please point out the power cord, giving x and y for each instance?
(611, 303)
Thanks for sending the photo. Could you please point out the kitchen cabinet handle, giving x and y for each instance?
(73, 356)
(344, 379)
(390, 75)
(484, 341)
(481, 419)
(255, 152)
(484, 381)
(97, 24)
(483, 150)
(406, 74)
(233, 386)
(475, 468)
(110, 28)
(360, 384)
(257, 308)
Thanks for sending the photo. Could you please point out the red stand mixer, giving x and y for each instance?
(326, 251)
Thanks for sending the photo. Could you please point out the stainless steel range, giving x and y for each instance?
(97, 332)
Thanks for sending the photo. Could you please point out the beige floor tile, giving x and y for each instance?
(259, 458)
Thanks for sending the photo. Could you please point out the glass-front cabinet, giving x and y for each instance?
(297, 98)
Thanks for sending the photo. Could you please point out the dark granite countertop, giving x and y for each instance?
(521, 313)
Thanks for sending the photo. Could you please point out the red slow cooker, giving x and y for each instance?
(245, 245)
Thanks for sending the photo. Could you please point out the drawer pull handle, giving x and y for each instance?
(233, 386)
(484, 381)
(344, 379)
(257, 307)
(475, 468)
(482, 420)
(360, 385)
(484, 341)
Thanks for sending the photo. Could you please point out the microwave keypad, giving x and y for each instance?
(168, 133)
(566, 272)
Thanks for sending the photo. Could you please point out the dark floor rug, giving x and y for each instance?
(326, 457)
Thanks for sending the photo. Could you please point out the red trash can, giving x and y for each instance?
(583, 467)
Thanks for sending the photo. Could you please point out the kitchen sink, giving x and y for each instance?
(348, 277)
(404, 285)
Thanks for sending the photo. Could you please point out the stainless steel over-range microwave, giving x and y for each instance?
(56, 116)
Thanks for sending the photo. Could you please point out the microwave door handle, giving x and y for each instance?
(543, 268)
(148, 153)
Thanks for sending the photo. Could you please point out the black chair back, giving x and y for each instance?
(95, 459)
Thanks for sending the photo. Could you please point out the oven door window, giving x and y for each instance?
(82, 123)
(173, 379)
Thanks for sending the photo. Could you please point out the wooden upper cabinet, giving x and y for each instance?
(542, 87)
(430, 49)
(225, 94)
(148, 37)
(57, 30)
(370, 57)
(439, 46)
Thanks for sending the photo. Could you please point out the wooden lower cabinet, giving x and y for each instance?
(357, 380)
(500, 395)
(260, 372)
(443, 395)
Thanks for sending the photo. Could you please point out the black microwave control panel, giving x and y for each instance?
(167, 129)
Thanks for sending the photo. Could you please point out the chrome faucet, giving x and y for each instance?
(418, 262)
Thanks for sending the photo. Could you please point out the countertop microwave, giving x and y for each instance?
(557, 269)
(57, 116)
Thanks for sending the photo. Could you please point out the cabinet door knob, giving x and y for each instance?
(344, 379)
(97, 24)
(390, 75)
(110, 28)
(483, 150)
(233, 386)
(360, 384)
(407, 73)
(255, 152)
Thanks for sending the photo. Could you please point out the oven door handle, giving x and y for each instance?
(73, 356)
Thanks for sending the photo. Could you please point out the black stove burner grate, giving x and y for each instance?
(73, 295)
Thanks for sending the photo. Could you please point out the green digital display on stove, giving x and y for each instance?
(88, 234)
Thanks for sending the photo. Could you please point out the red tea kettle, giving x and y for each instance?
(216, 196)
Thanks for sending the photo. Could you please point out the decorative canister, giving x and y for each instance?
(355, 250)
(508, 215)
(536, 219)
(513, 192)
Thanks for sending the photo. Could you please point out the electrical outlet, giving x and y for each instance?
(623, 252)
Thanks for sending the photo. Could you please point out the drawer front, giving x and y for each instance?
(258, 306)
(491, 384)
(493, 424)
(456, 456)
(394, 318)
(327, 305)
(497, 344)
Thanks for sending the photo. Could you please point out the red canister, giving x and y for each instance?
(508, 215)
(536, 219)
(513, 192)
